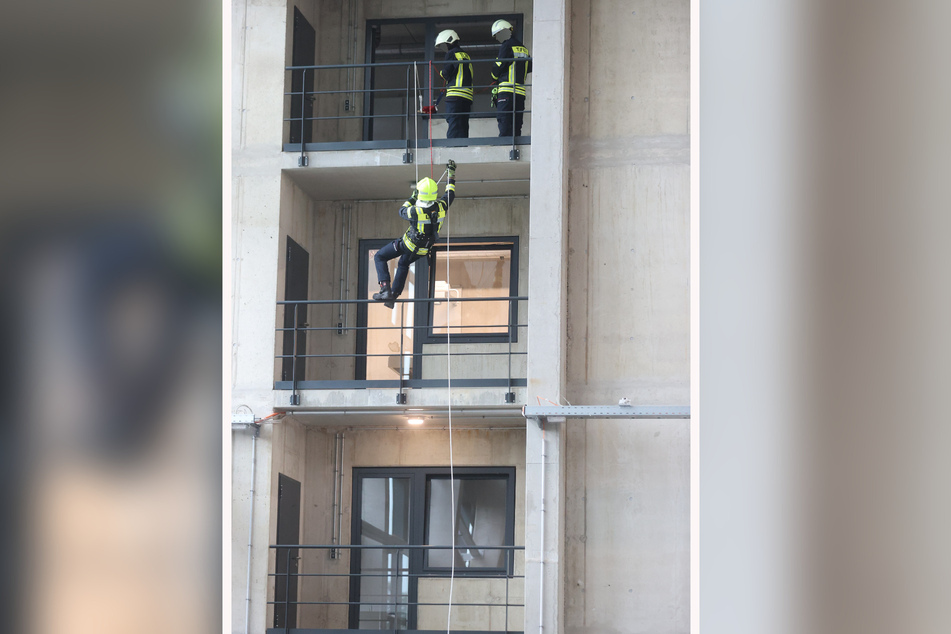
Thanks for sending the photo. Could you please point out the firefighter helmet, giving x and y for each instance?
(499, 26)
(447, 37)
(426, 190)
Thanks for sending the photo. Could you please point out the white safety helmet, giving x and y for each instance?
(446, 37)
(426, 191)
(501, 25)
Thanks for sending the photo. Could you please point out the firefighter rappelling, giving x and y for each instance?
(426, 215)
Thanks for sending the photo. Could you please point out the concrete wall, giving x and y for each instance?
(320, 226)
(627, 484)
(610, 316)
(341, 39)
(258, 35)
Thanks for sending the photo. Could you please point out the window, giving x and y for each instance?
(469, 269)
(399, 507)
(480, 520)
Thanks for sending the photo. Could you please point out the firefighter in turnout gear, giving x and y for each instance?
(425, 215)
(457, 72)
(509, 71)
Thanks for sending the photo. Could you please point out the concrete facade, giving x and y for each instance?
(603, 229)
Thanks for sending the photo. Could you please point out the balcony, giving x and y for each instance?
(389, 588)
(397, 109)
(476, 344)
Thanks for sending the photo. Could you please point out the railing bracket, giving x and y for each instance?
(510, 397)
(407, 157)
(513, 155)
(295, 399)
(302, 161)
(401, 399)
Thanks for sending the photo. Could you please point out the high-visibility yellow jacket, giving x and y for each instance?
(425, 222)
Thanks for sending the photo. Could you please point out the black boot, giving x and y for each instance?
(385, 295)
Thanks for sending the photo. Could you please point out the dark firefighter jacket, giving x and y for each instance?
(511, 74)
(425, 222)
(457, 73)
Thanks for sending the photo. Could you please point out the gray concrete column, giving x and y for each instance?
(544, 525)
(258, 39)
(545, 442)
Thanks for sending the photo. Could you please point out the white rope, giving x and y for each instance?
(416, 100)
(452, 491)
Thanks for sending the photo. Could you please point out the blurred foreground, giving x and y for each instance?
(110, 309)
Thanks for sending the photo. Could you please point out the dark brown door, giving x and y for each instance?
(295, 288)
(302, 106)
(288, 532)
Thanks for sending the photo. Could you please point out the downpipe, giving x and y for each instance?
(541, 558)
(247, 599)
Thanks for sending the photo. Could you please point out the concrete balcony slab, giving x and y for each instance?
(483, 171)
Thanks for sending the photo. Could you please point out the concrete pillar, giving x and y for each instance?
(544, 536)
(258, 39)
(544, 525)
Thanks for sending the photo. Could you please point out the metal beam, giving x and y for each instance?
(606, 411)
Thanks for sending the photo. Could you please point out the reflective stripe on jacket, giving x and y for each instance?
(458, 75)
(511, 74)
(425, 222)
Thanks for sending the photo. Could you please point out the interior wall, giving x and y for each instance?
(381, 220)
(288, 456)
(299, 222)
(627, 484)
(405, 447)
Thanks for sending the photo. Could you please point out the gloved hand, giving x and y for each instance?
(495, 97)
(451, 168)
(414, 195)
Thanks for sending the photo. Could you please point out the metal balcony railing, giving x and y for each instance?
(391, 597)
(391, 111)
(343, 356)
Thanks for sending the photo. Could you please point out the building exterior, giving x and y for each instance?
(578, 229)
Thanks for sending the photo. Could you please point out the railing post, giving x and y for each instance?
(401, 397)
(407, 155)
(513, 306)
(295, 397)
(287, 589)
(302, 161)
(513, 155)
(507, 577)
(399, 586)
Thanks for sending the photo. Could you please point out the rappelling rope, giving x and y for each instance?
(452, 477)
(452, 480)
(431, 170)
(417, 99)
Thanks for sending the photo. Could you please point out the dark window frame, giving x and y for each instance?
(426, 335)
(419, 477)
(509, 538)
(419, 522)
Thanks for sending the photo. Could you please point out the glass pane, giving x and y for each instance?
(384, 584)
(479, 517)
(384, 336)
(472, 273)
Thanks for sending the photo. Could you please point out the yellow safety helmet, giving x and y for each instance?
(426, 189)
(500, 25)
(447, 37)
